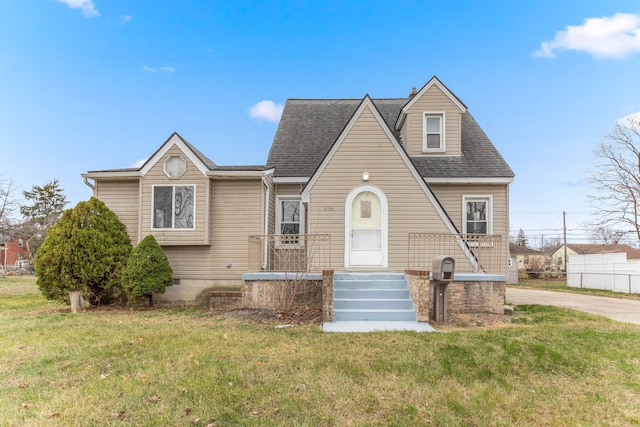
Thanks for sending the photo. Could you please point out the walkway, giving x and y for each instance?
(622, 310)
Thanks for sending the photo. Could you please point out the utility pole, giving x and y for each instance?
(564, 228)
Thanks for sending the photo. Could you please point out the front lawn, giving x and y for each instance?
(188, 367)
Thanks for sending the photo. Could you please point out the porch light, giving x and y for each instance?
(365, 176)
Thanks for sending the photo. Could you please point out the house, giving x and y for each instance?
(527, 258)
(559, 257)
(349, 185)
(13, 253)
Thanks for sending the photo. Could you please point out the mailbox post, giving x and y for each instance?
(442, 271)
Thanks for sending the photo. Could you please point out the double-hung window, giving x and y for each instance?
(433, 132)
(174, 207)
(290, 218)
(477, 214)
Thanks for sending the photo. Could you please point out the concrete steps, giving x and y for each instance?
(375, 297)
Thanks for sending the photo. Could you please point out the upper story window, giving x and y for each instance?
(174, 207)
(477, 214)
(290, 217)
(433, 132)
(175, 167)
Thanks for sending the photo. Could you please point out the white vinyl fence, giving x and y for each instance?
(611, 272)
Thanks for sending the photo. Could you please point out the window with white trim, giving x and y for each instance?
(289, 217)
(433, 131)
(173, 207)
(477, 215)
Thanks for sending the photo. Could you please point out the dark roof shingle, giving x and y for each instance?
(309, 128)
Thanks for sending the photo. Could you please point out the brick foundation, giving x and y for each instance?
(461, 297)
(327, 296)
(470, 296)
(476, 297)
(419, 289)
(225, 300)
(281, 294)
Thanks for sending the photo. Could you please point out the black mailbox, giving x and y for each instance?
(443, 268)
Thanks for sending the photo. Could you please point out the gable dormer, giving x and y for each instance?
(430, 123)
(174, 194)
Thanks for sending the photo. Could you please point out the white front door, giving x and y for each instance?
(366, 230)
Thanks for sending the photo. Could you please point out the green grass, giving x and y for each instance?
(187, 367)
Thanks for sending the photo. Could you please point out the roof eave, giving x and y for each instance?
(469, 180)
(112, 175)
(238, 174)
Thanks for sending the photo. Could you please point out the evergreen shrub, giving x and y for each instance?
(147, 271)
(86, 251)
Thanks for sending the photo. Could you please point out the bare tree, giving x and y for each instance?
(550, 245)
(616, 177)
(607, 235)
(7, 206)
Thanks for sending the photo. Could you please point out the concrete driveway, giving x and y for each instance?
(622, 310)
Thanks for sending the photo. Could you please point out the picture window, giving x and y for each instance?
(174, 207)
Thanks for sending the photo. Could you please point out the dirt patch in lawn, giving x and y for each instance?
(299, 316)
(313, 315)
(308, 315)
(457, 321)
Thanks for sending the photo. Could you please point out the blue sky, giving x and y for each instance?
(97, 84)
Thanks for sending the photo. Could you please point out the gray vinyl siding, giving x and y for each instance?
(433, 100)
(122, 197)
(367, 148)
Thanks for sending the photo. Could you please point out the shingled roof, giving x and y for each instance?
(600, 248)
(208, 163)
(515, 249)
(309, 127)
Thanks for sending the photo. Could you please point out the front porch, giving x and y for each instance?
(283, 266)
(314, 253)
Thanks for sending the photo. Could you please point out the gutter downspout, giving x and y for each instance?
(86, 181)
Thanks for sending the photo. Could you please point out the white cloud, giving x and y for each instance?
(630, 121)
(138, 164)
(267, 110)
(125, 18)
(607, 37)
(87, 7)
(149, 69)
(168, 69)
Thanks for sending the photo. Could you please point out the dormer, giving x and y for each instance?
(430, 123)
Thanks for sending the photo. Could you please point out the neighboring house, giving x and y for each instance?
(13, 252)
(352, 184)
(558, 256)
(527, 258)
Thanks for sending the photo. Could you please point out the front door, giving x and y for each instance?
(366, 237)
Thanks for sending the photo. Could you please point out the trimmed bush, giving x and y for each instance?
(147, 271)
(86, 251)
